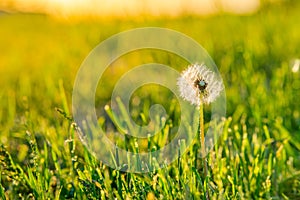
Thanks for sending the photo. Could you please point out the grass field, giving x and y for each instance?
(257, 156)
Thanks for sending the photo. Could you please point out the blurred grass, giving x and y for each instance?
(257, 156)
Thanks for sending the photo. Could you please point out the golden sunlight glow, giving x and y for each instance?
(129, 7)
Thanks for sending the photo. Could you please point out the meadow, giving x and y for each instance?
(256, 157)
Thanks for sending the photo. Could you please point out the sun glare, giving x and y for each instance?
(130, 7)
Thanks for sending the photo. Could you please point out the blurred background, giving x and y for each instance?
(254, 43)
(66, 8)
(51, 38)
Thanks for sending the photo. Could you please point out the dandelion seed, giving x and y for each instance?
(197, 80)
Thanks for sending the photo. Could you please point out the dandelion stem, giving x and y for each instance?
(201, 124)
(202, 138)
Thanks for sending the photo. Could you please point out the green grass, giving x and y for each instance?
(257, 156)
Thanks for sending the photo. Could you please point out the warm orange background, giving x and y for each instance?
(129, 7)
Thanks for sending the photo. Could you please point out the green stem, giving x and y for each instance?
(201, 124)
(202, 136)
(202, 139)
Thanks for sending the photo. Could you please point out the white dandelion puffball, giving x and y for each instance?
(198, 80)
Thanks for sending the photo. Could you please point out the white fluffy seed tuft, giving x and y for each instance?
(198, 80)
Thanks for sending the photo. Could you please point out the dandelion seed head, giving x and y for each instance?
(198, 80)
